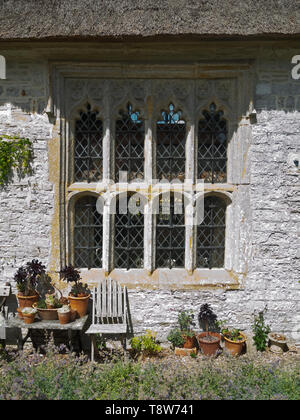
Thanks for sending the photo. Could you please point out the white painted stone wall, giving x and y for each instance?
(273, 267)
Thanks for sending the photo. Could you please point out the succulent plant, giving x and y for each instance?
(71, 275)
(206, 315)
(28, 275)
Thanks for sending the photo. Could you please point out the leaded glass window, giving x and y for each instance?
(129, 234)
(170, 231)
(170, 148)
(88, 233)
(88, 147)
(129, 154)
(212, 146)
(211, 234)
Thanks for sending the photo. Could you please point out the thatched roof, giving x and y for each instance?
(100, 19)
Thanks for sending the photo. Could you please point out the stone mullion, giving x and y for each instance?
(148, 217)
(189, 182)
(108, 219)
(107, 150)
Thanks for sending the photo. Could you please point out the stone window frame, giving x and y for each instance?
(190, 277)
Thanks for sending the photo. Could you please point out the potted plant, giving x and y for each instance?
(234, 340)
(64, 314)
(185, 321)
(48, 312)
(29, 315)
(277, 343)
(175, 338)
(261, 331)
(80, 293)
(27, 278)
(209, 341)
(183, 338)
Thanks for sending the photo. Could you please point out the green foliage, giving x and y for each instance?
(146, 344)
(175, 337)
(185, 320)
(232, 334)
(41, 304)
(261, 331)
(52, 300)
(52, 377)
(15, 153)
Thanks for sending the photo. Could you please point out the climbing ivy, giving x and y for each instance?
(15, 153)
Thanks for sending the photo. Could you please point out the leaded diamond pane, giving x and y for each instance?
(88, 234)
(212, 146)
(88, 148)
(211, 234)
(171, 134)
(170, 232)
(129, 238)
(129, 154)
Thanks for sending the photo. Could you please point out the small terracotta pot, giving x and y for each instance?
(79, 304)
(235, 347)
(209, 348)
(64, 318)
(73, 315)
(20, 314)
(47, 314)
(184, 351)
(189, 342)
(28, 318)
(27, 301)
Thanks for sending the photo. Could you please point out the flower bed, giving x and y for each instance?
(168, 378)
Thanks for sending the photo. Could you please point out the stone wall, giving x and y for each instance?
(26, 206)
(273, 266)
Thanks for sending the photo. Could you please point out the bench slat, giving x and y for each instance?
(4, 290)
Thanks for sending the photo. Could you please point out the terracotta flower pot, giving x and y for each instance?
(47, 314)
(28, 318)
(209, 348)
(27, 301)
(20, 314)
(235, 347)
(189, 342)
(64, 317)
(79, 304)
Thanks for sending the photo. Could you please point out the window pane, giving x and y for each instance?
(211, 234)
(88, 147)
(212, 146)
(129, 237)
(130, 134)
(170, 232)
(88, 231)
(171, 133)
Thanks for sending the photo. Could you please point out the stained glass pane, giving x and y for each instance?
(212, 146)
(129, 154)
(171, 134)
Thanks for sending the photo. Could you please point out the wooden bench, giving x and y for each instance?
(5, 290)
(109, 314)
